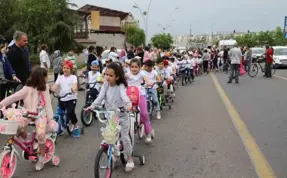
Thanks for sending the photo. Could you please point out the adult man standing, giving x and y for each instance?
(44, 57)
(269, 61)
(235, 57)
(18, 56)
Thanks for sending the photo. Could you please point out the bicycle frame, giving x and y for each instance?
(23, 145)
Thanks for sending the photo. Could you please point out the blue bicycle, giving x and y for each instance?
(61, 117)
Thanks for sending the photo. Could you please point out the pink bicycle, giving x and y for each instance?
(8, 157)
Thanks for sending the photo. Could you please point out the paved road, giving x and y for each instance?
(197, 138)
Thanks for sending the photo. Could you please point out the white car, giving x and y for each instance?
(257, 52)
(280, 56)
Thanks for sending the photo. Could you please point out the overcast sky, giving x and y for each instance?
(203, 15)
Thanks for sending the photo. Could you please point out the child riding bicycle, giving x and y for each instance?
(135, 78)
(68, 83)
(36, 98)
(114, 93)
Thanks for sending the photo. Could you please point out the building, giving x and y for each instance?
(101, 26)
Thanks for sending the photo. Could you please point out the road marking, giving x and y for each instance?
(260, 163)
(280, 77)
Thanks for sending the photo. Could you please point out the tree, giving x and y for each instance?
(135, 35)
(163, 41)
(9, 12)
(262, 38)
(49, 22)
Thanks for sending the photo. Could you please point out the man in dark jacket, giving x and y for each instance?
(18, 56)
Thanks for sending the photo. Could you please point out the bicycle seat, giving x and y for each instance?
(31, 124)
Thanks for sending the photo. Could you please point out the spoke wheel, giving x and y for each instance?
(253, 70)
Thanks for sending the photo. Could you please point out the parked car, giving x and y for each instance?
(257, 52)
(280, 56)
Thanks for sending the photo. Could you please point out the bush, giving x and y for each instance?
(34, 58)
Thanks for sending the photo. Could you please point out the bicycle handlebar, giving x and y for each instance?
(59, 97)
(9, 81)
(98, 112)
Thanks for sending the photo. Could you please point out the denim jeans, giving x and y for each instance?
(155, 98)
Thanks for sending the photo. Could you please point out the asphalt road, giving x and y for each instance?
(197, 137)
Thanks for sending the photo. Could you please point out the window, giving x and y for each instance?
(280, 51)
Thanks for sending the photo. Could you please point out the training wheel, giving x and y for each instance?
(82, 130)
(169, 107)
(142, 160)
(152, 134)
(56, 160)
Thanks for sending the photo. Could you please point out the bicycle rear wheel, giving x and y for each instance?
(253, 71)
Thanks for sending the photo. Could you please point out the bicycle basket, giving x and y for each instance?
(8, 127)
(111, 136)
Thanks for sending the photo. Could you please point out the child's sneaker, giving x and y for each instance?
(129, 166)
(158, 115)
(40, 164)
(77, 133)
(148, 139)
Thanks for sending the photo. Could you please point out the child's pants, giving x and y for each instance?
(43, 126)
(70, 107)
(155, 98)
(124, 122)
(144, 114)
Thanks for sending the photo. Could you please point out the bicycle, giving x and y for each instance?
(257, 62)
(111, 145)
(8, 157)
(12, 89)
(161, 98)
(87, 117)
(62, 119)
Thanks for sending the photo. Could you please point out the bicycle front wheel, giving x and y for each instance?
(253, 71)
(101, 168)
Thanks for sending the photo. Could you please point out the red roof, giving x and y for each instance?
(103, 11)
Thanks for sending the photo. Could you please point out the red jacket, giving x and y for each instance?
(269, 55)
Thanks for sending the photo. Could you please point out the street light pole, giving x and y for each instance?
(146, 13)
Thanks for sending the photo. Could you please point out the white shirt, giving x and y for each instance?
(114, 56)
(66, 84)
(44, 58)
(188, 64)
(137, 80)
(93, 78)
(151, 76)
(169, 70)
(192, 62)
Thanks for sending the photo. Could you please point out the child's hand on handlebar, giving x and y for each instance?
(88, 108)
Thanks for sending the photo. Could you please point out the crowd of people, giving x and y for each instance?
(132, 67)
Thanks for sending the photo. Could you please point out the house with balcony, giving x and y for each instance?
(101, 26)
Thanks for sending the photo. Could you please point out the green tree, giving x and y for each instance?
(163, 41)
(135, 35)
(9, 12)
(50, 22)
